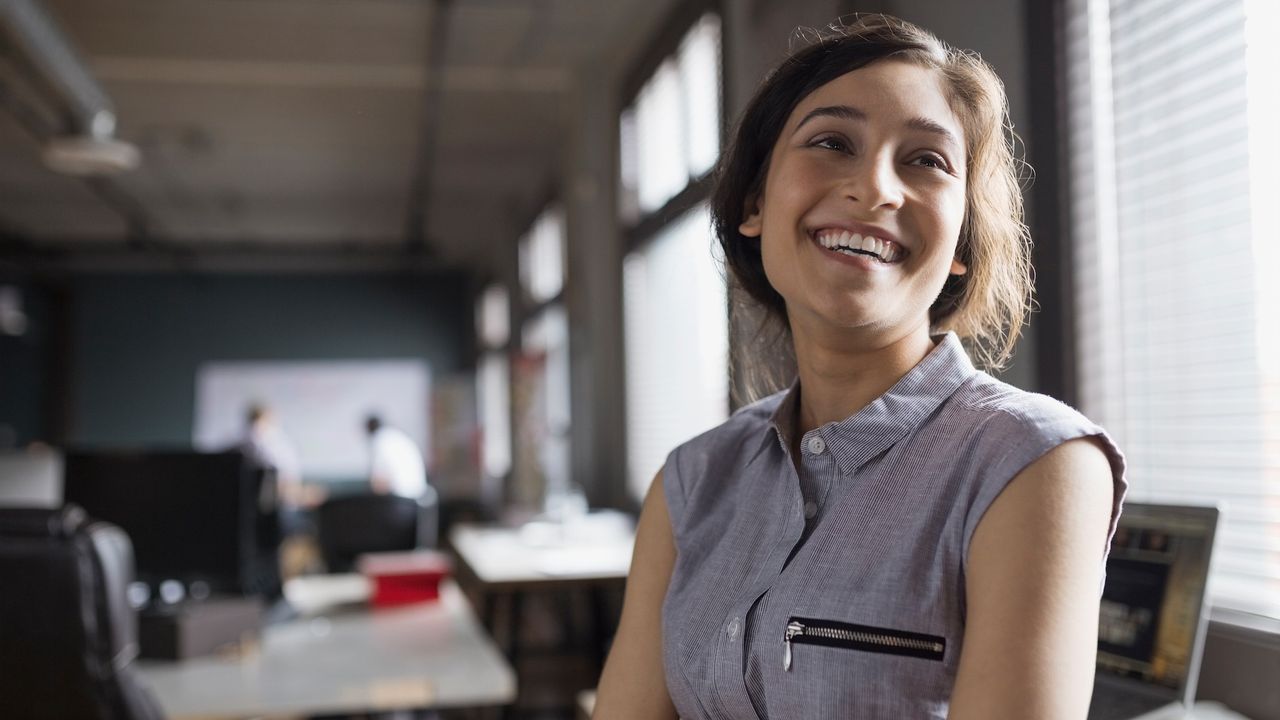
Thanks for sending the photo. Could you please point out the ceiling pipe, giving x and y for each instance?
(90, 147)
(420, 184)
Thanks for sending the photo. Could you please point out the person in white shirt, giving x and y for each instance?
(266, 443)
(396, 464)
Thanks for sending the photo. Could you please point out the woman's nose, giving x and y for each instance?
(875, 183)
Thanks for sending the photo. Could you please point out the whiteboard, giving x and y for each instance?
(320, 406)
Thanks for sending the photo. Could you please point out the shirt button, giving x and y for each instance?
(732, 630)
(810, 509)
(817, 445)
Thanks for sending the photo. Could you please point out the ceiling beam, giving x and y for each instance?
(329, 76)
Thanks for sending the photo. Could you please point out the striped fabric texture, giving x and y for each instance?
(861, 553)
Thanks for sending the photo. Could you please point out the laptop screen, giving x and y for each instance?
(1150, 623)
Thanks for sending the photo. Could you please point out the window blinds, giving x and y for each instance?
(677, 339)
(1177, 326)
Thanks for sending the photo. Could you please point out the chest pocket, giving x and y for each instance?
(871, 672)
(859, 638)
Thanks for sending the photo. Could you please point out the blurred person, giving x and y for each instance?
(395, 462)
(266, 443)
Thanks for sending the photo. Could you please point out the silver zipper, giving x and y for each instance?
(796, 629)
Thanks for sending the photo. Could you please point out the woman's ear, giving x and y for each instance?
(751, 226)
(958, 268)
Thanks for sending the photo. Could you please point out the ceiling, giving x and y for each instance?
(301, 126)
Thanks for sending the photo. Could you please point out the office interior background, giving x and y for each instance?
(504, 200)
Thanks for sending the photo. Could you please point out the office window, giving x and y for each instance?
(542, 256)
(541, 400)
(493, 317)
(493, 385)
(677, 340)
(545, 346)
(670, 134)
(675, 304)
(1172, 120)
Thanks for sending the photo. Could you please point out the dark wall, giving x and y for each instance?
(137, 340)
(24, 363)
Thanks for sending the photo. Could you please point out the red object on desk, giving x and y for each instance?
(398, 578)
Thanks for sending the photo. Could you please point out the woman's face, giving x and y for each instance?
(863, 201)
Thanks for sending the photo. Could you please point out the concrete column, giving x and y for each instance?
(593, 292)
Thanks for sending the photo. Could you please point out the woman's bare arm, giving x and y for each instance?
(633, 686)
(1031, 636)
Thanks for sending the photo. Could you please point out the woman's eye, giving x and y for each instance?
(933, 161)
(831, 143)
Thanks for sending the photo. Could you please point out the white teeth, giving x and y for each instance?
(836, 239)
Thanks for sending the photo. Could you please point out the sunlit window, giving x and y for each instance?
(493, 317)
(493, 382)
(1173, 151)
(546, 337)
(671, 133)
(677, 343)
(542, 256)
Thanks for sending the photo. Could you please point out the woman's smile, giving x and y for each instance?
(849, 245)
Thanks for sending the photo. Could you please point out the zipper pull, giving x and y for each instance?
(794, 628)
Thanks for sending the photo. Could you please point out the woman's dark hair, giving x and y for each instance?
(989, 303)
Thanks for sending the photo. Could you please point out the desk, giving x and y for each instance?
(341, 657)
(592, 553)
(541, 556)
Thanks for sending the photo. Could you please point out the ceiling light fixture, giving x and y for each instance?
(97, 153)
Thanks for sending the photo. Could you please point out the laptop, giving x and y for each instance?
(1152, 622)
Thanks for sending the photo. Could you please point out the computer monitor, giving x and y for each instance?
(192, 517)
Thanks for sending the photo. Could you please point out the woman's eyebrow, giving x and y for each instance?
(843, 112)
(924, 124)
(848, 112)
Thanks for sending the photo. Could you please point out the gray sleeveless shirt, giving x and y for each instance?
(859, 559)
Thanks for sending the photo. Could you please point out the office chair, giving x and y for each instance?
(67, 633)
(349, 526)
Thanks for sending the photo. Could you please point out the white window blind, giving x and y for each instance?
(677, 340)
(542, 256)
(1172, 117)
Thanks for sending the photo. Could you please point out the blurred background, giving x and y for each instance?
(484, 224)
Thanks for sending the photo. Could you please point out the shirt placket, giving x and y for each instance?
(732, 641)
(808, 491)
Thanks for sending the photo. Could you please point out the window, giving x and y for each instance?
(677, 340)
(542, 257)
(671, 133)
(493, 386)
(1172, 164)
(546, 341)
(675, 304)
(541, 395)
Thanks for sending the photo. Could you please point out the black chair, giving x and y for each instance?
(67, 633)
(349, 526)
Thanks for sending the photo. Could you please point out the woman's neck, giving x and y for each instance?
(840, 373)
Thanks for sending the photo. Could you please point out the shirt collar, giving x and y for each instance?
(876, 427)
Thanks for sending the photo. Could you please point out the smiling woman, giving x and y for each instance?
(898, 534)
